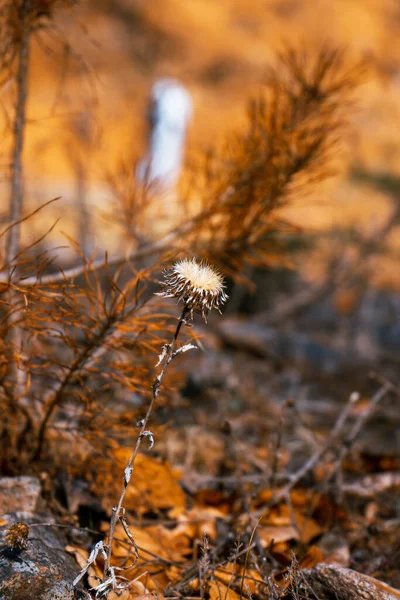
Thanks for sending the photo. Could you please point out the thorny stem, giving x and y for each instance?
(116, 511)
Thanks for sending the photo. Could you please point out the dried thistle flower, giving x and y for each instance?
(17, 537)
(198, 285)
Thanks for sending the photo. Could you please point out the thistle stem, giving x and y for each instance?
(131, 463)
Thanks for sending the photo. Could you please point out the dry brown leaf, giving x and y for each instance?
(146, 596)
(228, 573)
(250, 580)
(219, 591)
(311, 558)
(124, 595)
(282, 533)
(157, 546)
(138, 590)
(203, 520)
(172, 545)
(233, 574)
(153, 486)
(81, 556)
(211, 498)
(307, 527)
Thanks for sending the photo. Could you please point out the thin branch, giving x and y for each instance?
(282, 493)
(116, 511)
(54, 398)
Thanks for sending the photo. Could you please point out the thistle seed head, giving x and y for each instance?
(17, 537)
(198, 285)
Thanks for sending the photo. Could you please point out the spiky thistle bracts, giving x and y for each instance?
(198, 285)
(16, 539)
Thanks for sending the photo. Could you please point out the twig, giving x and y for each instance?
(337, 428)
(355, 430)
(101, 263)
(370, 485)
(53, 399)
(314, 459)
(142, 252)
(116, 511)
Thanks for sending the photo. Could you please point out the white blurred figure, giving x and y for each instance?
(170, 111)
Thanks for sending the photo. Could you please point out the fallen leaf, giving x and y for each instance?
(219, 591)
(312, 557)
(124, 595)
(153, 486)
(278, 534)
(160, 550)
(81, 556)
(307, 527)
(228, 573)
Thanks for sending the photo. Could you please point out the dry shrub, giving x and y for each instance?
(90, 335)
(233, 195)
(290, 143)
(17, 17)
(88, 346)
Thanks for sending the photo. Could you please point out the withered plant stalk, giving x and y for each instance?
(117, 511)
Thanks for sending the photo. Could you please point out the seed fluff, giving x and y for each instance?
(198, 285)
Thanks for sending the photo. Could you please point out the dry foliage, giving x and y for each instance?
(90, 337)
(16, 19)
(234, 194)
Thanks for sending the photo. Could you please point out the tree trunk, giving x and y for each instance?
(16, 374)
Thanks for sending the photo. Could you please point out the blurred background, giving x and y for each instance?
(88, 99)
(89, 112)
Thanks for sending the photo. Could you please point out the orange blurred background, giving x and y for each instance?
(89, 100)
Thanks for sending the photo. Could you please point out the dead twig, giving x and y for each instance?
(330, 441)
(117, 511)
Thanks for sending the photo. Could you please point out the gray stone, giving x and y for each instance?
(43, 571)
(19, 493)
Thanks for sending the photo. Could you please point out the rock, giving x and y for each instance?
(43, 571)
(19, 493)
(330, 581)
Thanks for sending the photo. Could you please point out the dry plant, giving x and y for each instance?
(87, 333)
(200, 288)
(77, 342)
(233, 202)
(84, 343)
(85, 338)
(20, 20)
